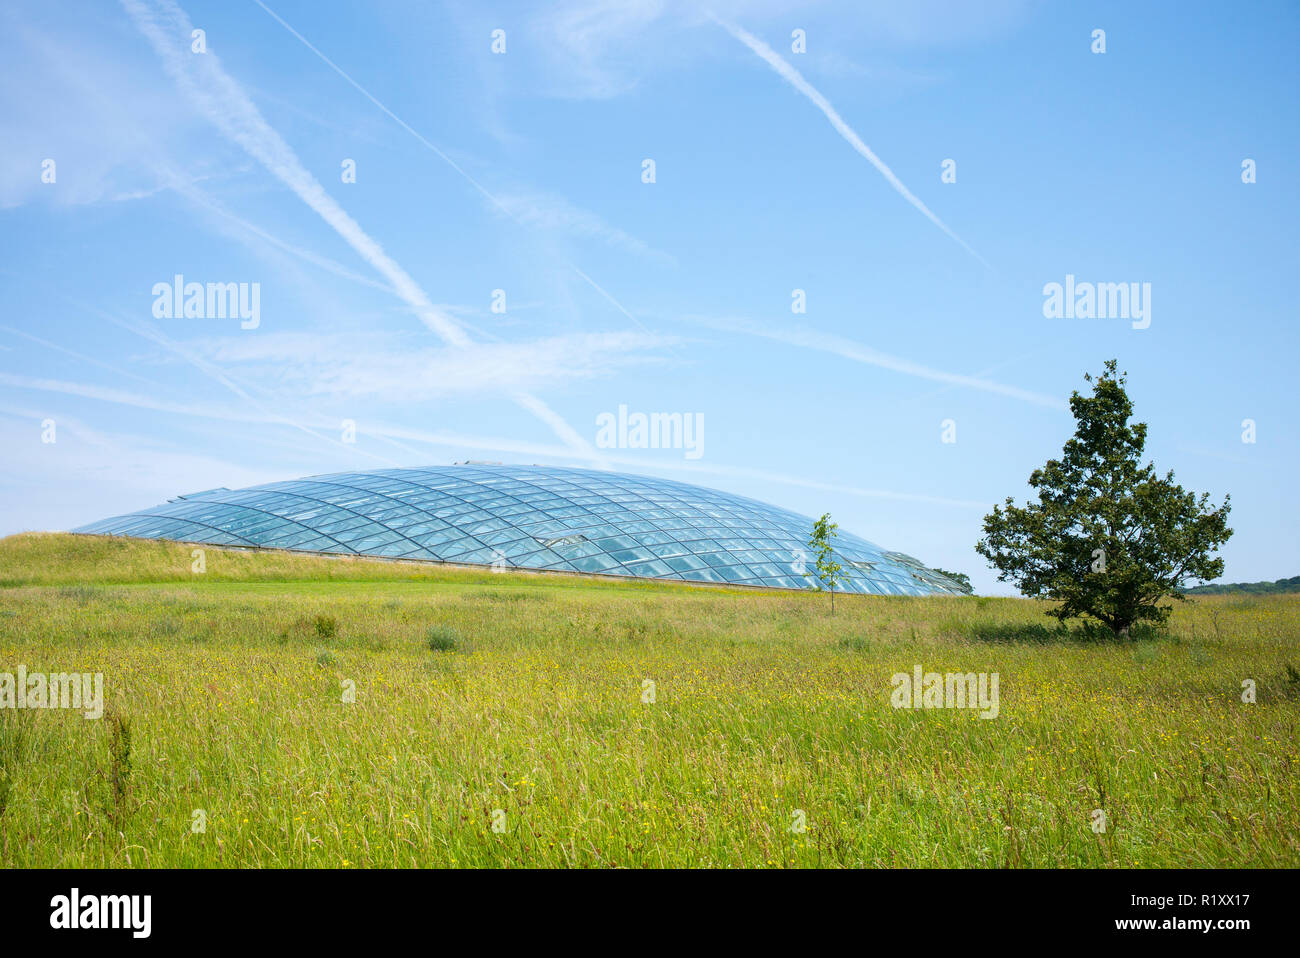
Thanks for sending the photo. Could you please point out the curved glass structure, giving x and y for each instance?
(529, 517)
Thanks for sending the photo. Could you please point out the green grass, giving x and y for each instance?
(476, 692)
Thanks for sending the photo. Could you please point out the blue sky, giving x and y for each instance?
(522, 171)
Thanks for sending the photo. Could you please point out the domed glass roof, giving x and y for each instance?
(529, 517)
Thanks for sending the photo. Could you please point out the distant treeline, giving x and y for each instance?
(1253, 588)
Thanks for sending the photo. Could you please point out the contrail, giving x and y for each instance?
(617, 305)
(796, 79)
(75, 355)
(323, 262)
(860, 353)
(228, 107)
(500, 204)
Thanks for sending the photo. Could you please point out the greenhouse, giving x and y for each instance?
(530, 517)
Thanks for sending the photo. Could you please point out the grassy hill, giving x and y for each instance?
(521, 701)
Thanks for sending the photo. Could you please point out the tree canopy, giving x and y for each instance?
(1107, 536)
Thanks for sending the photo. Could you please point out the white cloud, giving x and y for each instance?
(592, 40)
(80, 109)
(389, 368)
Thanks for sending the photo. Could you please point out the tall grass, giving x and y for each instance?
(227, 694)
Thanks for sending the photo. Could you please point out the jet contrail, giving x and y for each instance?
(228, 107)
(231, 111)
(796, 79)
(860, 353)
(500, 204)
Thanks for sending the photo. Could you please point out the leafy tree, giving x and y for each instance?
(829, 572)
(961, 578)
(1107, 537)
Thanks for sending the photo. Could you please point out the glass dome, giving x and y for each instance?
(529, 517)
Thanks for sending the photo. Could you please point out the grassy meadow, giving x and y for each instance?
(499, 721)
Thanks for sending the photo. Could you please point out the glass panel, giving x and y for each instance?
(614, 523)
